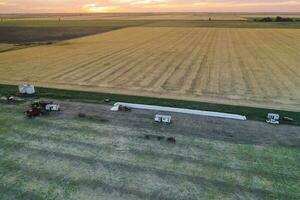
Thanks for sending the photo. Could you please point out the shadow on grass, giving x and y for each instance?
(204, 183)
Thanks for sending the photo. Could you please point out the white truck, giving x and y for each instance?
(52, 107)
(273, 118)
(163, 119)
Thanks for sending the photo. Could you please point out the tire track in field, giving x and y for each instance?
(252, 82)
(116, 59)
(277, 72)
(139, 151)
(131, 62)
(288, 52)
(198, 83)
(238, 86)
(159, 65)
(270, 84)
(200, 57)
(117, 64)
(159, 76)
(123, 165)
(178, 78)
(210, 85)
(223, 65)
(227, 84)
(91, 50)
(137, 81)
(82, 64)
(99, 75)
(135, 70)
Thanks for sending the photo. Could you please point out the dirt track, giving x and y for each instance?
(235, 131)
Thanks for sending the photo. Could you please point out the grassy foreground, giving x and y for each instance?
(70, 158)
(257, 114)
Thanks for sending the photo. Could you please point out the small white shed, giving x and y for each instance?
(163, 118)
(26, 89)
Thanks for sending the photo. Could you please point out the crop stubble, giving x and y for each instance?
(255, 67)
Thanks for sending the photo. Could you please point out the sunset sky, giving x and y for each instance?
(61, 6)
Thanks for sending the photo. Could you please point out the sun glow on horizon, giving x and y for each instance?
(107, 6)
(95, 8)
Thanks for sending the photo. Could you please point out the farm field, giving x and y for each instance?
(252, 67)
(5, 47)
(105, 155)
(126, 16)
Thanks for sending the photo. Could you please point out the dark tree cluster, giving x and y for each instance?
(277, 19)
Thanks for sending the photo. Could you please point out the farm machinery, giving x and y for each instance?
(39, 108)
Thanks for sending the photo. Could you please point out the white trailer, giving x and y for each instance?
(163, 119)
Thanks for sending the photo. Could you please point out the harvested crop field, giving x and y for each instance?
(253, 67)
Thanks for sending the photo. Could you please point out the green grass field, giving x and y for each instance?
(71, 158)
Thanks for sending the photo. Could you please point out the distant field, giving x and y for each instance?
(253, 67)
(128, 16)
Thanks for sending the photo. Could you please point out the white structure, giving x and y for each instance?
(180, 110)
(273, 118)
(26, 89)
(163, 118)
(52, 107)
(115, 108)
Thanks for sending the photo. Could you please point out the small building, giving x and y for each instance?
(26, 89)
(163, 118)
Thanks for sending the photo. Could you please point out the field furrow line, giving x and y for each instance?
(198, 83)
(271, 84)
(200, 56)
(108, 55)
(118, 62)
(139, 57)
(210, 85)
(160, 64)
(172, 63)
(252, 82)
(238, 84)
(287, 54)
(226, 73)
(118, 59)
(140, 67)
(180, 76)
(174, 40)
(280, 74)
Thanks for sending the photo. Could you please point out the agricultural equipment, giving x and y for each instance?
(39, 108)
(34, 112)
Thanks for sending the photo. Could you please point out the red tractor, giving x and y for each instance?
(37, 109)
(34, 112)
